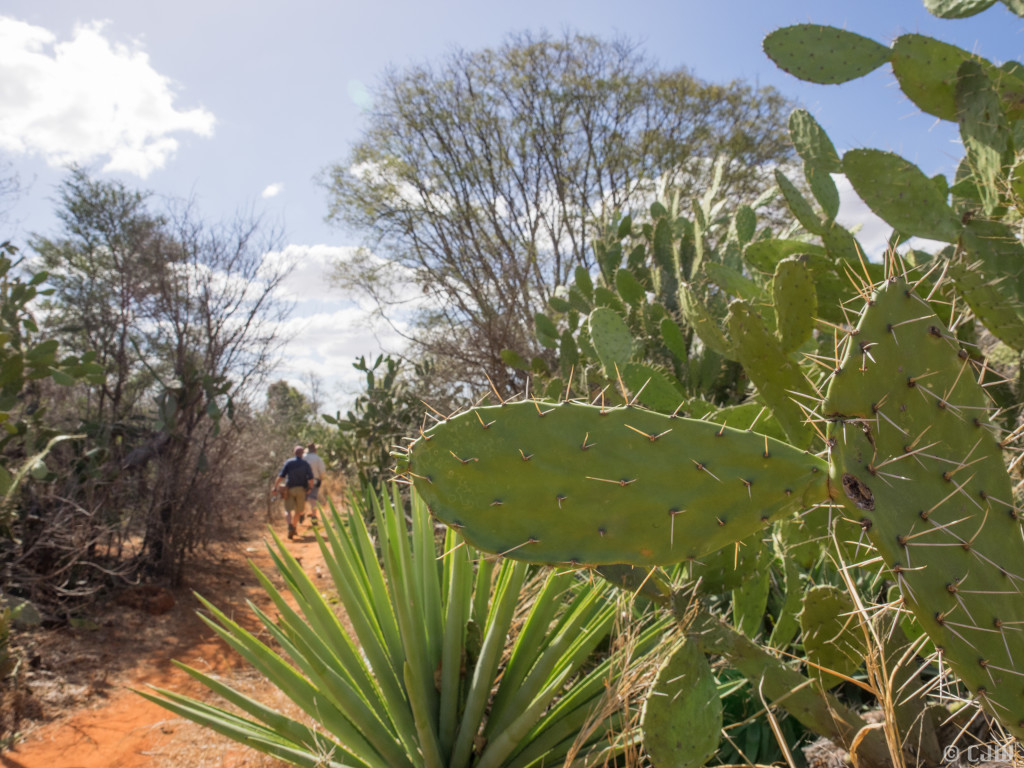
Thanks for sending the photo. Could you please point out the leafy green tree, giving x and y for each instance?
(481, 179)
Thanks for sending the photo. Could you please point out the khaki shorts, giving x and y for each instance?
(295, 499)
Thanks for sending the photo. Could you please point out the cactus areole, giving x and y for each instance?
(576, 483)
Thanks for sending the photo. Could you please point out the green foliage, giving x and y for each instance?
(172, 320)
(385, 412)
(26, 360)
(452, 660)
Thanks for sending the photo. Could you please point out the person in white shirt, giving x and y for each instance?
(317, 465)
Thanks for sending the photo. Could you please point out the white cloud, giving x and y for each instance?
(307, 271)
(328, 330)
(272, 190)
(87, 98)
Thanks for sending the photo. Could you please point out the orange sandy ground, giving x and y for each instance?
(115, 728)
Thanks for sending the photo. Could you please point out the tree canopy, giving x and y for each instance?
(480, 179)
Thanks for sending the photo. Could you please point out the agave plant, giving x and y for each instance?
(455, 661)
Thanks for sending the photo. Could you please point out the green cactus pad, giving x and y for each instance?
(798, 205)
(750, 601)
(841, 245)
(916, 462)
(927, 71)
(1015, 6)
(765, 254)
(577, 483)
(629, 287)
(583, 283)
(795, 302)
(1001, 255)
(568, 353)
(832, 637)
(957, 9)
(824, 190)
(984, 132)
(823, 54)
(651, 387)
(664, 250)
(673, 338)
(702, 321)
(812, 143)
(726, 569)
(745, 224)
(547, 333)
(605, 297)
(611, 339)
(901, 194)
(999, 313)
(578, 301)
(733, 282)
(779, 380)
(751, 415)
(682, 716)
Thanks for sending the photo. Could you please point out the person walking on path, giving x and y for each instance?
(297, 477)
(313, 497)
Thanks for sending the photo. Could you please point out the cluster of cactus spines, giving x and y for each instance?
(682, 716)
(577, 483)
(916, 463)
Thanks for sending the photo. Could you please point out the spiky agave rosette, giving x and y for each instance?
(916, 462)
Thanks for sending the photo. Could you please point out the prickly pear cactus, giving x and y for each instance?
(574, 483)
(916, 462)
(682, 717)
(823, 54)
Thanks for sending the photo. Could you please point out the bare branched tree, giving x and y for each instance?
(480, 180)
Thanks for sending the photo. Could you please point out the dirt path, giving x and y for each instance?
(105, 724)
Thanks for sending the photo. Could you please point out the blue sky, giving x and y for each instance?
(240, 105)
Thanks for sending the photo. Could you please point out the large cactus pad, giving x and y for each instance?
(917, 463)
(578, 483)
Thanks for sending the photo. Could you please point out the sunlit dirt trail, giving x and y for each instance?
(115, 728)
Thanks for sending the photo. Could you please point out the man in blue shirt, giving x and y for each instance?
(297, 477)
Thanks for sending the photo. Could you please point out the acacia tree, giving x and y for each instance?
(481, 179)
